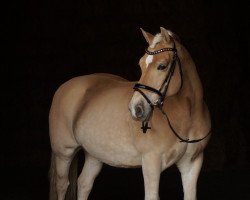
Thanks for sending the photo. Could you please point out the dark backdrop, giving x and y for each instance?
(46, 43)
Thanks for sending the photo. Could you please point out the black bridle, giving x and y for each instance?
(162, 92)
(164, 87)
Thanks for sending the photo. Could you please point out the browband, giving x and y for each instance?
(160, 51)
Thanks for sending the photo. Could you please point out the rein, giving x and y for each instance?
(162, 93)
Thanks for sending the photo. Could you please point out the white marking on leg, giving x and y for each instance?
(149, 60)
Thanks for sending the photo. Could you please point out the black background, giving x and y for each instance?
(45, 43)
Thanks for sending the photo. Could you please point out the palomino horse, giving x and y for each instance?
(103, 115)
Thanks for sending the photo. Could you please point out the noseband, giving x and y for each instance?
(162, 92)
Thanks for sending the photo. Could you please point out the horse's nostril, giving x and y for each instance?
(139, 111)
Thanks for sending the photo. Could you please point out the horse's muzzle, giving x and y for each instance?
(139, 111)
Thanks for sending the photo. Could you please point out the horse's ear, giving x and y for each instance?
(148, 36)
(164, 33)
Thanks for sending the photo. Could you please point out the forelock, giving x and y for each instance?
(157, 38)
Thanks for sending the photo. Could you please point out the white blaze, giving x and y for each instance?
(149, 60)
(157, 39)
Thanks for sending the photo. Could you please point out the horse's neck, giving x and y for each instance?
(192, 87)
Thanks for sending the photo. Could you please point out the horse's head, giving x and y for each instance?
(160, 77)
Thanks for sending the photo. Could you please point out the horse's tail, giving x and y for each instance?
(73, 174)
(52, 178)
(72, 189)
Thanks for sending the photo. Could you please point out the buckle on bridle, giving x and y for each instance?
(159, 102)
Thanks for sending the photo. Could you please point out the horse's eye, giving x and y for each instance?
(161, 67)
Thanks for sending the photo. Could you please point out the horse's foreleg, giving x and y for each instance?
(90, 170)
(151, 167)
(190, 170)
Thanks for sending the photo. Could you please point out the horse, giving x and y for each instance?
(154, 123)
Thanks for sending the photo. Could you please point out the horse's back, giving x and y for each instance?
(69, 96)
